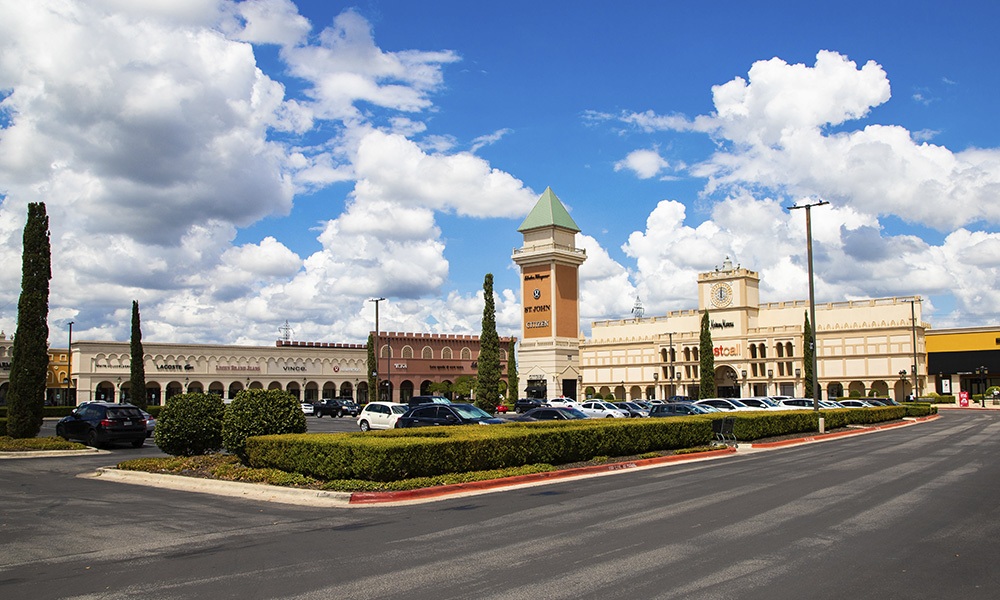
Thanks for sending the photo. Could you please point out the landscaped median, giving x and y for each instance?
(409, 464)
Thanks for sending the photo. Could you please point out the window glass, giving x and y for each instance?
(115, 412)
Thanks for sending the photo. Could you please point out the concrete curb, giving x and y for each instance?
(232, 489)
(839, 434)
(51, 453)
(978, 408)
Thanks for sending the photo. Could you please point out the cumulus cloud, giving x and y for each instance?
(153, 137)
(644, 163)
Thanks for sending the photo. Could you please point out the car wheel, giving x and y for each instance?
(609, 417)
(365, 426)
(340, 414)
(138, 443)
(60, 432)
(319, 415)
(92, 440)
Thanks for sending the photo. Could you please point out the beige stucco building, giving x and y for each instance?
(758, 348)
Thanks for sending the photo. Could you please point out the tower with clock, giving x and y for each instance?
(549, 354)
(729, 288)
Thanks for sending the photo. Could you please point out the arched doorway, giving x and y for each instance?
(405, 391)
(346, 390)
(726, 383)
(235, 388)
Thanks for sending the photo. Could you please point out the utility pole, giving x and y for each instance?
(812, 297)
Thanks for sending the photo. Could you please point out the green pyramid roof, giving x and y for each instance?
(548, 212)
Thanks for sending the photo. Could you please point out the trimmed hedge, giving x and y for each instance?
(754, 426)
(258, 412)
(429, 451)
(190, 425)
(3, 426)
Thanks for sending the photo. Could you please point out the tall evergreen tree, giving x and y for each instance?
(807, 357)
(707, 387)
(372, 367)
(512, 380)
(137, 381)
(488, 372)
(30, 352)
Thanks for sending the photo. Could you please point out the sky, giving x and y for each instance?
(236, 165)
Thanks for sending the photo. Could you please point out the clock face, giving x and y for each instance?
(722, 294)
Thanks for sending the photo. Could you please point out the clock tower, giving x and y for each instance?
(729, 288)
(549, 352)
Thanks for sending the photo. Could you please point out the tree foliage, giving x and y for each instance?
(30, 352)
(488, 372)
(512, 380)
(190, 424)
(260, 412)
(807, 357)
(707, 387)
(137, 379)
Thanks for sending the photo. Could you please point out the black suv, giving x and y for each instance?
(101, 423)
(336, 407)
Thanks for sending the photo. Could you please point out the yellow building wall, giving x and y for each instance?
(963, 341)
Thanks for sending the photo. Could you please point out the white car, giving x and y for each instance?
(307, 408)
(380, 415)
(726, 404)
(563, 402)
(763, 403)
(602, 410)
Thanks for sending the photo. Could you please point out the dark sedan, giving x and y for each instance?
(678, 409)
(526, 404)
(429, 415)
(101, 423)
(550, 414)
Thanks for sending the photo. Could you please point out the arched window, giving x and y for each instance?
(466, 354)
(427, 352)
(407, 352)
(446, 354)
(779, 349)
(789, 349)
(386, 351)
(753, 350)
(762, 350)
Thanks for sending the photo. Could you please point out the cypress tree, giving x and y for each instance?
(707, 387)
(512, 380)
(30, 352)
(807, 357)
(372, 366)
(137, 381)
(488, 372)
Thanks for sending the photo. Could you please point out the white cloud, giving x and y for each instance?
(489, 139)
(644, 163)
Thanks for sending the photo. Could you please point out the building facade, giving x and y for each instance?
(862, 346)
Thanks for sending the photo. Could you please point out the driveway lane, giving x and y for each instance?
(730, 528)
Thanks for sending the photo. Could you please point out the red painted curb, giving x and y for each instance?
(444, 490)
(827, 436)
(979, 408)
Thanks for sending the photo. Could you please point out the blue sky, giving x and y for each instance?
(233, 165)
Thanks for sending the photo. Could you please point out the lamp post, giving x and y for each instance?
(69, 362)
(375, 372)
(982, 380)
(798, 374)
(902, 379)
(744, 373)
(812, 297)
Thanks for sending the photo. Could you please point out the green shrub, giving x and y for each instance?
(3, 426)
(190, 424)
(260, 412)
(598, 396)
(855, 394)
(429, 451)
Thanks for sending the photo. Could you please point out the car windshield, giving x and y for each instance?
(468, 411)
(399, 409)
(574, 413)
(708, 408)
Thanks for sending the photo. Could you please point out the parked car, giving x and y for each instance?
(336, 407)
(634, 409)
(418, 400)
(564, 402)
(430, 415)
(307, 408)
(725, 404)
(150, 423)
(679, 399)
(679, 409)
(550, 413)
(602, 410)
(854, 403)
(526, 404)
(101, 423)
(764, 403)
(380, 415)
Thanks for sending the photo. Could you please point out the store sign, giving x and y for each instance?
(111, 366)
(399, 365)
(727, 351)
(536, 324)
(239, 368)
(722, 325)
(294, 368)
(173, 367)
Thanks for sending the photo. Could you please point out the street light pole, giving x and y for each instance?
(812, 298)
(69, 363)
(376, 301)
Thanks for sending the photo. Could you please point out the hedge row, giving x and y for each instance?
(754, 426)
(3, 426)
(405, 453)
